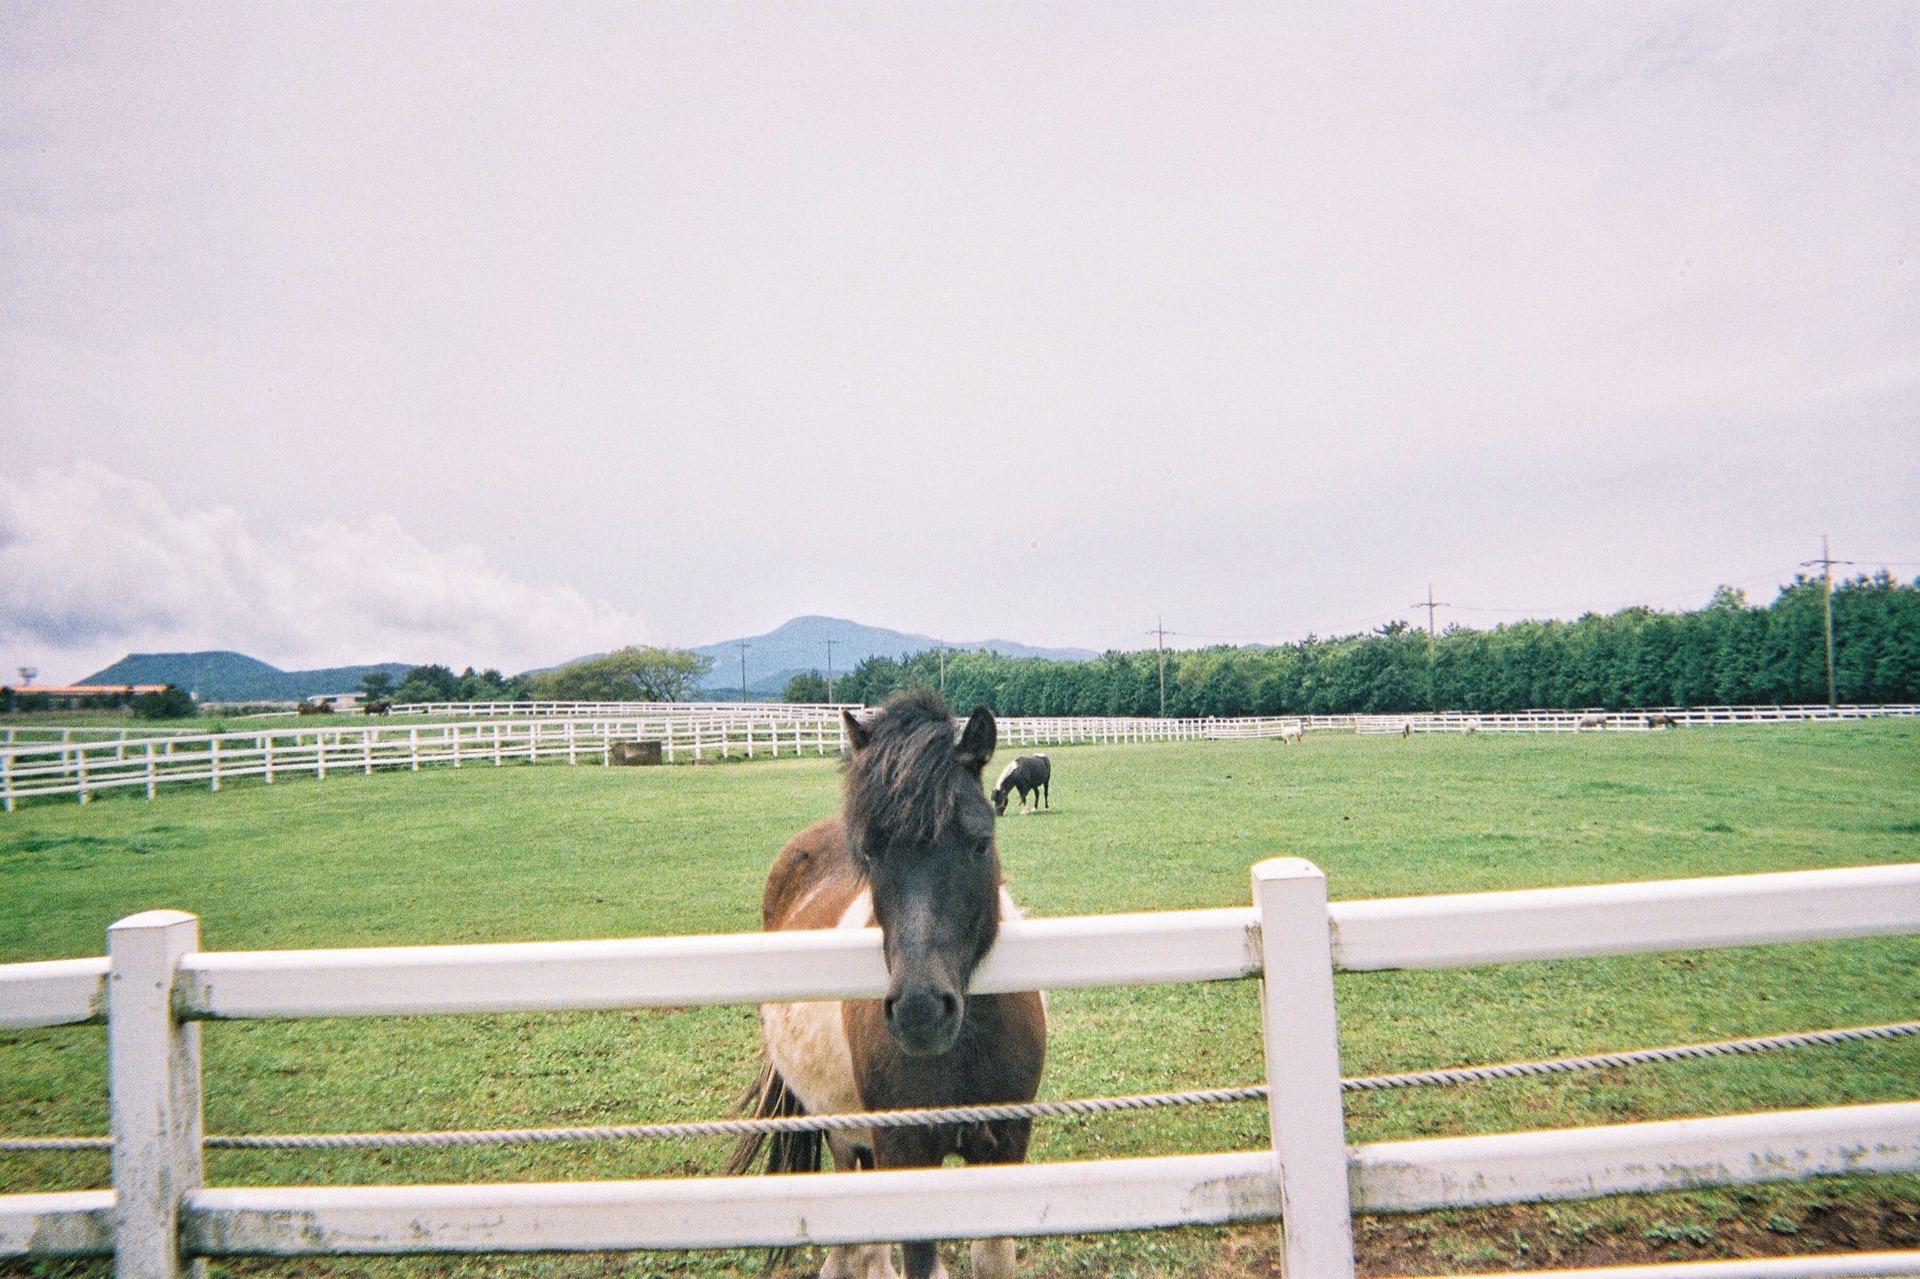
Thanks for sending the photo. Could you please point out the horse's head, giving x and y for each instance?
(1000, 794)
(919, 822)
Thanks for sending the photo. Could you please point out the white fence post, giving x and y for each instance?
(1303, 1069)
(153, 1085)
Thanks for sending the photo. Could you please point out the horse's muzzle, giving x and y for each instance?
(924, 1020)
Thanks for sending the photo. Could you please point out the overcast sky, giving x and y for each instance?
(363, 332)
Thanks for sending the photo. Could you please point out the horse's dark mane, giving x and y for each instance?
(908, 781)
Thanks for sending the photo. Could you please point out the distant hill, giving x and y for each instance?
(235, 677)
(801, 645)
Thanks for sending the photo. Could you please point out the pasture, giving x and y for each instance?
(533, 853)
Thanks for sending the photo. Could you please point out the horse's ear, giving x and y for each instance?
(977, 739)
(857, 732)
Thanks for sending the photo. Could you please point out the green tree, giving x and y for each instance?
(806, 686)
(376, 685)
(483, 686)
(171, 702)
(632, 674)
(428, 684)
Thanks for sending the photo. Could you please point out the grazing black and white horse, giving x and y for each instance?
(912, 854)
(1030, 775)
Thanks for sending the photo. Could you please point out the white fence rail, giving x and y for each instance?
(760, 711)
(83, 762)
(85, 768)
(1600, 719)
(156, 986)
(1238, 726)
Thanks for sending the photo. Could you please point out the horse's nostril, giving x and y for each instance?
(949, 1005)
(887, 1005)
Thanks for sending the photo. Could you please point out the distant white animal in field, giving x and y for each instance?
(1473, 726)
(1590, 721)
(1289, 734)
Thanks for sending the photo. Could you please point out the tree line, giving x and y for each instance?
(631, 674)
(1729, 652)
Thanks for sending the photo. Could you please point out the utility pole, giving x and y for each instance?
(1826, 563)
(1160, 629)
(829, 669)
(743, 670)
(942, 645)
(27, 674)
(1430, 604)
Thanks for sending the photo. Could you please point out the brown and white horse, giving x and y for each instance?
(912, 854)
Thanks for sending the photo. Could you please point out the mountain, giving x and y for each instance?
(801, 645)
(235, 677)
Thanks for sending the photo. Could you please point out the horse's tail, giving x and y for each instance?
(769, 1097)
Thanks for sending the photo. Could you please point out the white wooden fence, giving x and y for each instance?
(761, 711)
(83, 762)
(85, 768)
(1600, 719)
(155, 986)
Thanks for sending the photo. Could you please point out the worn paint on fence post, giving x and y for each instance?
(1304, 1115)
(153, 1088)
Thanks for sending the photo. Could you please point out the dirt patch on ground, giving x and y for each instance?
(1528, 1237)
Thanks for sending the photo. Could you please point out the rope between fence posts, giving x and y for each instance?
(986, 1114)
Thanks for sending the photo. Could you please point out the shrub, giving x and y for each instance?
(171, 702)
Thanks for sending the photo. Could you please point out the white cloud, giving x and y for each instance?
(93, 564)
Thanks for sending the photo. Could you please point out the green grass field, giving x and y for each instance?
(523, 853)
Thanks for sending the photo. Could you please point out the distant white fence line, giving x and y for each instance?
(83, 762)
(1600, 719)
(761, 711)
(156, 985)
(83, 769)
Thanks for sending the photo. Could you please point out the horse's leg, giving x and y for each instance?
(857, 1260)
(1004, 1142)
(915, 1148)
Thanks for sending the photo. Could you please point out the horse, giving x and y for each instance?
(1290, 734)
(912, 854)
(1030, 775)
